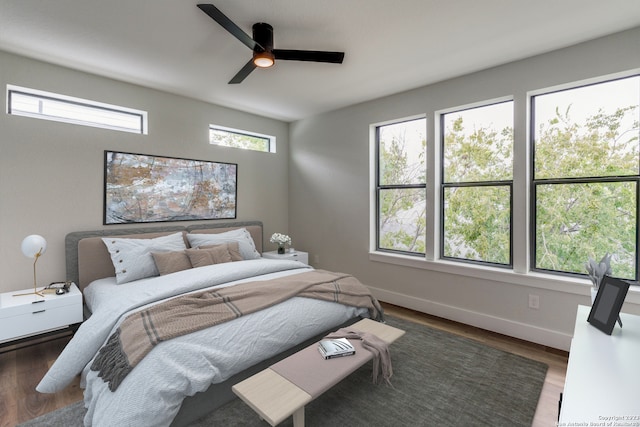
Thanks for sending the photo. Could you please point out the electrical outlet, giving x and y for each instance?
(534, 302)
(316, 259)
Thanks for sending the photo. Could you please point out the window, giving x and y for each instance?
(61, 108)
(585, 177)
(401, 186)
(580, 189)
(228, 137)
(477, 186)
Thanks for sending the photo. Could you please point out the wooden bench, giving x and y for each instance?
(277, 392)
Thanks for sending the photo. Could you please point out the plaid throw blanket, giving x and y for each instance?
(378, 348)
(141, 331)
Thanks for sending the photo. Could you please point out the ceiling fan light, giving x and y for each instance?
(263, 59)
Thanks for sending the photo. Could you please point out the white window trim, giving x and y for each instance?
(519, 275)
(143, 130)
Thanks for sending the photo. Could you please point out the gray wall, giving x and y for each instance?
(317, 188)
(51, 174)
(330, 195)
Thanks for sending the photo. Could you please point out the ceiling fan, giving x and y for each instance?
(264, 55)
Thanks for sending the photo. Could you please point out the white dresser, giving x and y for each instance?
(26, 315)
(602, 385)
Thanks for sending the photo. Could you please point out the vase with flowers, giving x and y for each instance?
(281, 240)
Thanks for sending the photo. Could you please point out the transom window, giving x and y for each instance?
(228, 137)
(62, 108)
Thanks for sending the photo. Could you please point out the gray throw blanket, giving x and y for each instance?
(379, 349)
(141, 331)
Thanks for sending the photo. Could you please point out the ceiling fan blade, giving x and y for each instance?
(243, 73)
(309, 55)
(229, 25)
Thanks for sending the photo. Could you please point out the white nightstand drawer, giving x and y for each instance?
(39, 321)
(293, 256)
(11, 306)
(25, 315)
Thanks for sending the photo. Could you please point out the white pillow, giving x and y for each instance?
(132, 258)
(245, 243)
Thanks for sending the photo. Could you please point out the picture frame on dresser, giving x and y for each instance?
(606, 307)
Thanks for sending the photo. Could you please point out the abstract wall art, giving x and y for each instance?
(141, 188)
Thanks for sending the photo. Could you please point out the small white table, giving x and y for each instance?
(294, 256)
(26, 315)
(602, 384)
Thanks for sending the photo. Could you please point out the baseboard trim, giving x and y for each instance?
(499, 325)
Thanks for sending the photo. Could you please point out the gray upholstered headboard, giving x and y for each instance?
(88, 259)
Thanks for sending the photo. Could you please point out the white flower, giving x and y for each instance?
(280, 239)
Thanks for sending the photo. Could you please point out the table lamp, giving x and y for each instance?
(33, 246)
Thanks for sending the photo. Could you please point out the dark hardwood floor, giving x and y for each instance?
(22, 369)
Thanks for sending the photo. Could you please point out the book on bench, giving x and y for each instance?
(335, 347)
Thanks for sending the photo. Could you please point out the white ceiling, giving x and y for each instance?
(390, 46)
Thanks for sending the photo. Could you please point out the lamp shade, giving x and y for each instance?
(33, 245)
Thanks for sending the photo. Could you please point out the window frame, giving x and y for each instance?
(476, 184)
(521, 273)
(380, 187)
(471, 184)
(534, 182)
(43, 96)
(271, 140)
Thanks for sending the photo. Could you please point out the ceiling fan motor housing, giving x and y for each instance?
(263, 35)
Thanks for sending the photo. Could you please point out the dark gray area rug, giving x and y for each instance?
(439, 379)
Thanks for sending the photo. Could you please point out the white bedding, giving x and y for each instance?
(152, 393)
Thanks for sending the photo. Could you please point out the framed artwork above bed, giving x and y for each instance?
(141, 188)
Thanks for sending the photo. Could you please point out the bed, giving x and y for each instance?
(181, 379)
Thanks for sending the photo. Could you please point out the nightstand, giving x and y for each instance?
(293, 256)
(32, 315)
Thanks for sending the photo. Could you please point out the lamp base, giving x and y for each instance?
(35, 292)
(35, 279)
